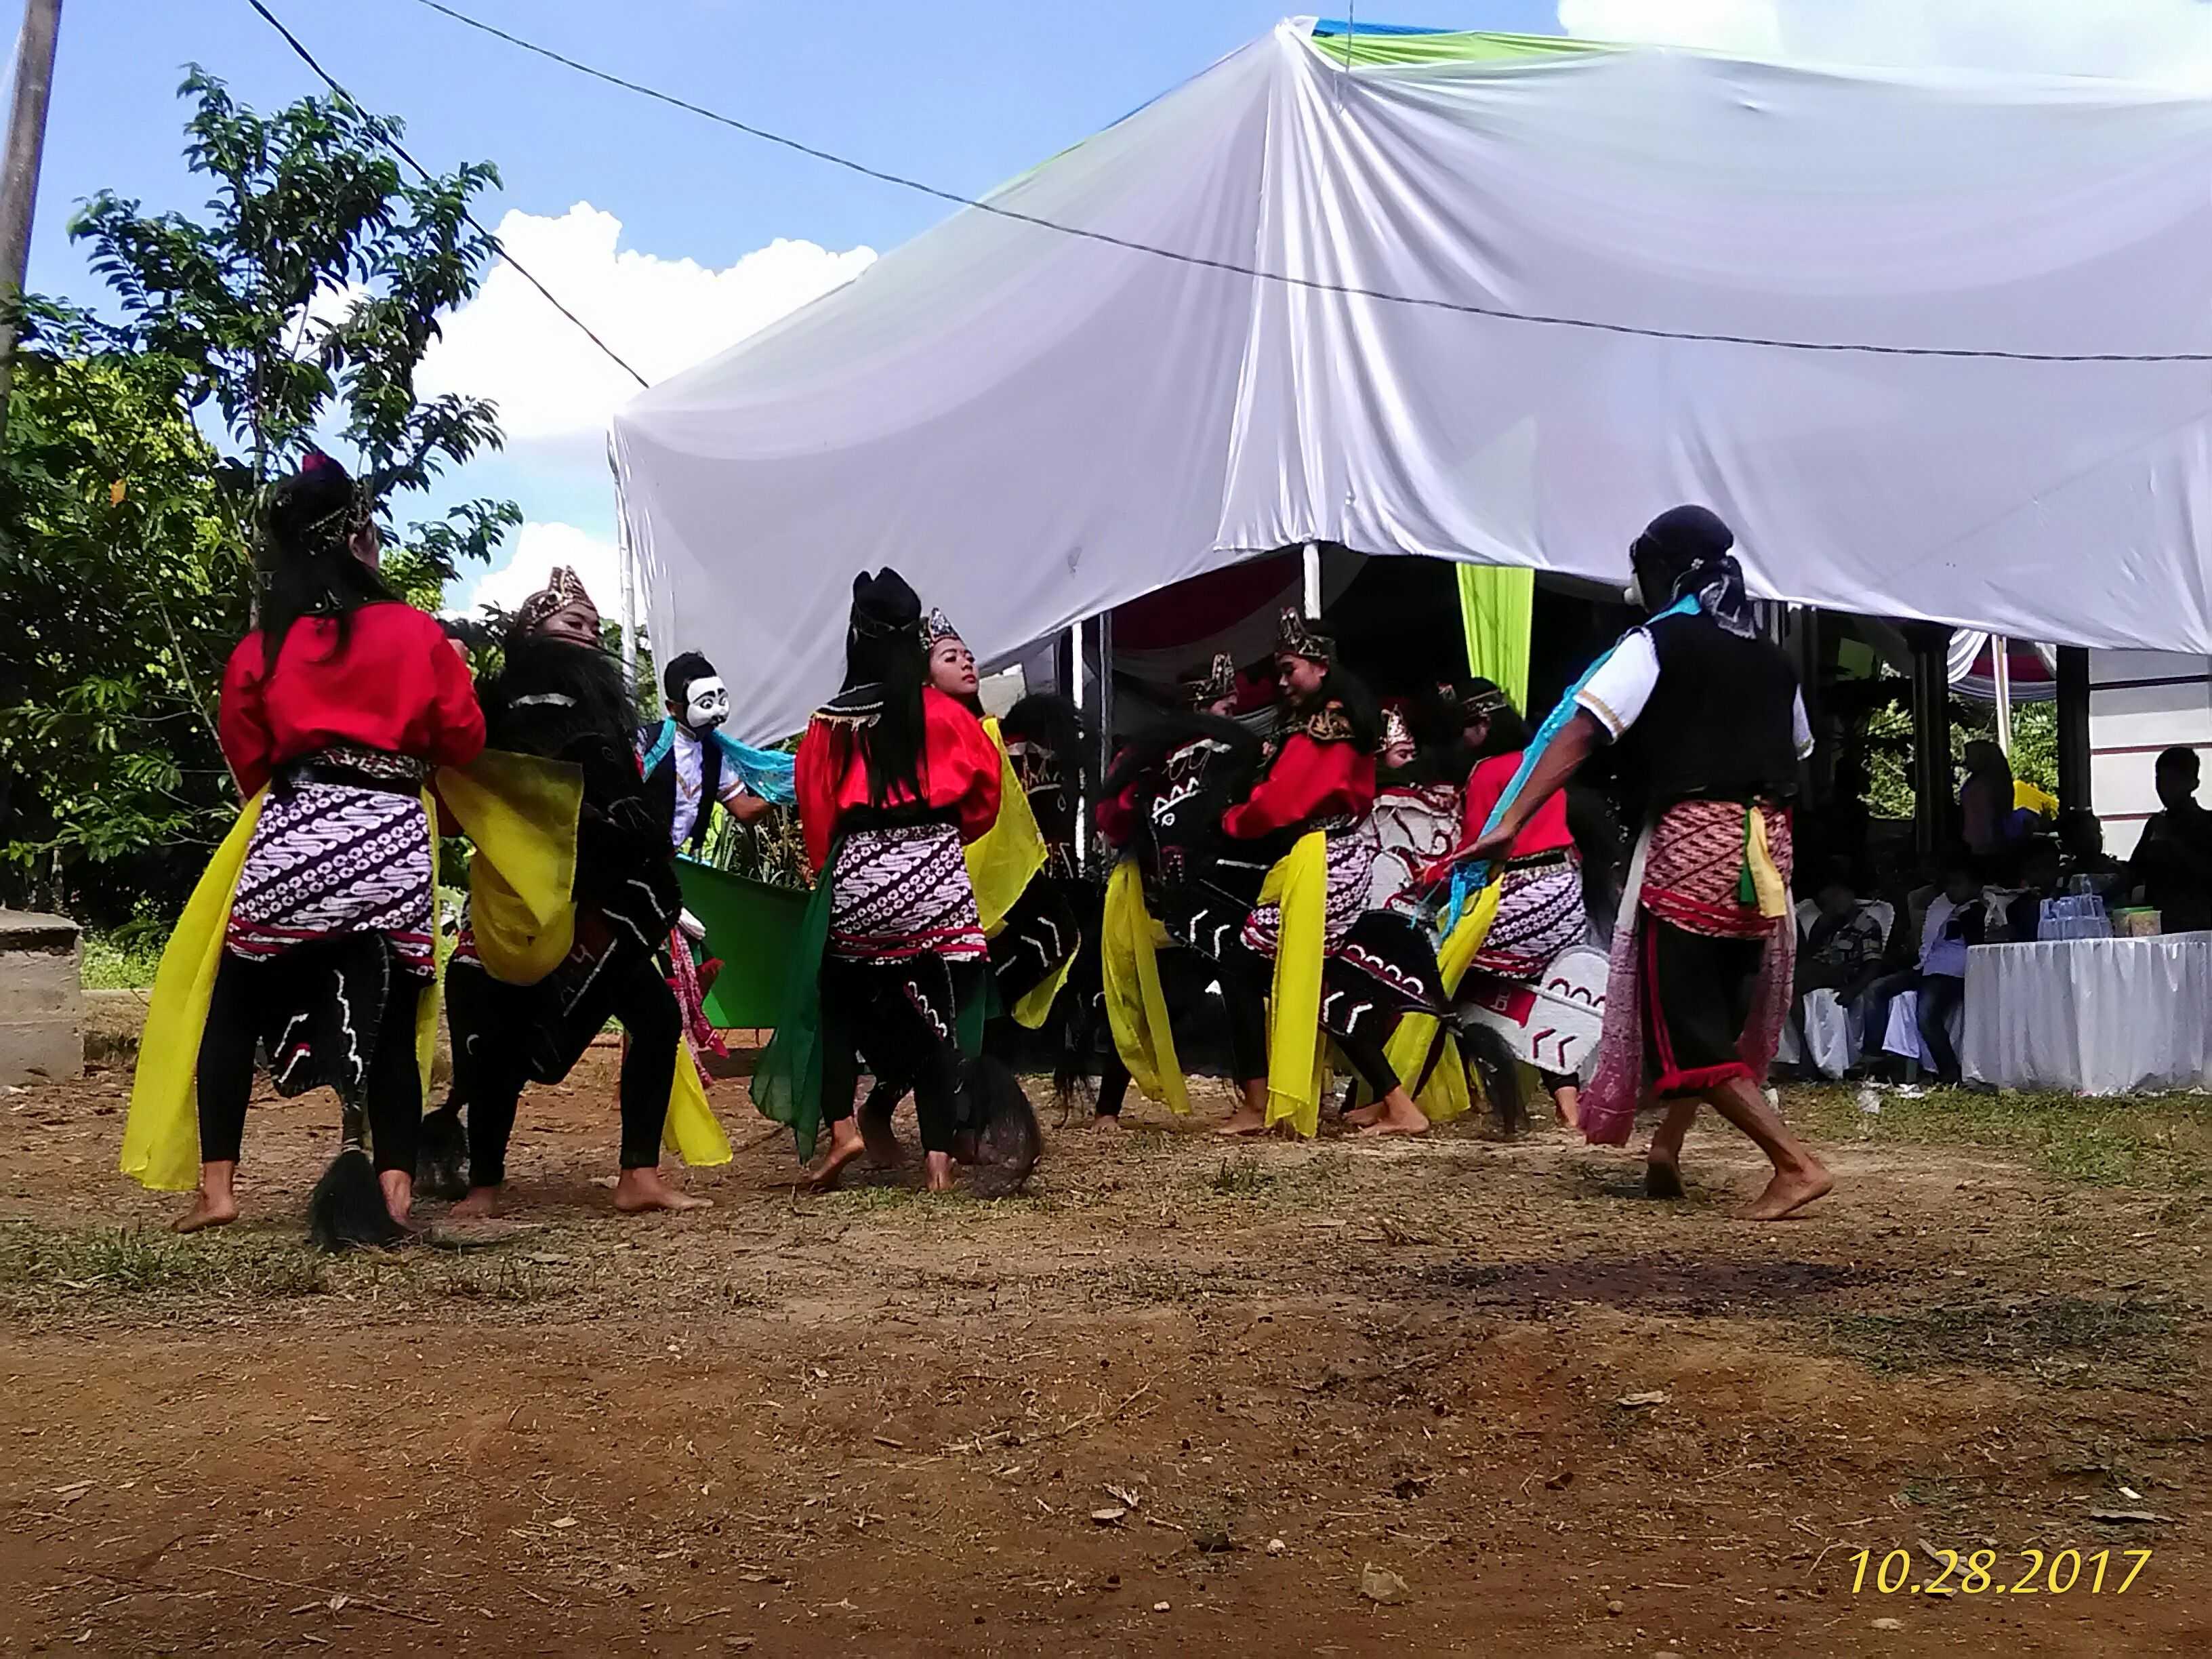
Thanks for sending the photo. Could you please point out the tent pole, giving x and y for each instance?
(2072, 727)
(1075, 696)
(629, 570)
(1105, 691)
(2001, 677)
(1312, 588)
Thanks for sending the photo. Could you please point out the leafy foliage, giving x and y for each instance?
(295, 310)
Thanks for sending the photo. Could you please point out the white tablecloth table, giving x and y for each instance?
(2096, 1016)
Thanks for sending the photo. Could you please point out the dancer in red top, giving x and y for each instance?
(894, 778)
(1375, 966)
(1540, 908)
(338, 705)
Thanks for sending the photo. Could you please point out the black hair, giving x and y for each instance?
(574, 691)
(1048, 719)
(1149, 750)
(676, 679)
(306, 562)
(1342, 686)
(885, 653)
(2180, 755)
(1508, 734)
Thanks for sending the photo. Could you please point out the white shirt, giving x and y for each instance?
(1624, 684)
(689, 753)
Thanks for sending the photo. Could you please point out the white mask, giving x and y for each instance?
(1634, 591)
(706, 705)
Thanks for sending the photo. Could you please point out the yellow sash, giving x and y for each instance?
(692, 1132)
(1299, 885)
(1136, 1009)
(521, 812)
(1448, 1093)
(1005, 859)
(1765, 880)
(527, 836)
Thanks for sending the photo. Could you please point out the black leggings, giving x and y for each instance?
(1939, 994)
(391, 1093)
(641, 1000)
(901, 1017)
(1246, 978)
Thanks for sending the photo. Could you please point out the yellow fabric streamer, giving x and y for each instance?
(161, 1134)
(1034, 1006)
(1299, 885)
(1136, 1008)
(1765, 880)
(1005, 859)
(1448, 1094)
(692, 1131)
(521, 812)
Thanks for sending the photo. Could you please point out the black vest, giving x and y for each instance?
(1718, 726)
(660, 787)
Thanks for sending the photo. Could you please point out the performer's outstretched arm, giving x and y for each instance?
(1560, 761)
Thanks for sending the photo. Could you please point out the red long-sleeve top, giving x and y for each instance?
(1545, 832)
(1310, 779)
(398, 685)
(960, 771)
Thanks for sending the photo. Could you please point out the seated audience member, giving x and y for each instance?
(2040, 880)
(1842, 948)
(1986, 807)
(1955, 923)
(2082, 842)
(2173, 860)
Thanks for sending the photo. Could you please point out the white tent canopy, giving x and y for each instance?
(1034, 426)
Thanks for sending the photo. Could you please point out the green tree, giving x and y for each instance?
(295, 310)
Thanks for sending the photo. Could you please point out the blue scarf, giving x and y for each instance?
(766, 772)
(1471, 877)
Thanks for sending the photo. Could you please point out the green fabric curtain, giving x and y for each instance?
(1497, 605)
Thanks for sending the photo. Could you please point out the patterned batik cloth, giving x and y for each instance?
(1689, 875)
(329, 859)
(1411, 826)
(903, 892)
(1350, 877)
(1540, 914)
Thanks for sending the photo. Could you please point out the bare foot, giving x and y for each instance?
(1663, 1177)
(939, 1168)
(1790, 1191)
(845, 1145)
(1244, 1121)
(1396, 1114)
(481, 1205)
(640, 1190)
(1361, 1116)
(399, 1193)
(209, 1210)
(1567, 1106)
(1105, 1120)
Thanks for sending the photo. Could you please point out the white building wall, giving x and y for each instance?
(2140, 703)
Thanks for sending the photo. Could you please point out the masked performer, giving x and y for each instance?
(1415, 819)
(894, 779)
(1160, 810)
(561, 694)
(1708, 727)
(690, 764)
(1317, 790)
(310, 937)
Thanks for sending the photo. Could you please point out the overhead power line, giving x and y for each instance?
(391, 141)
(1312, 284)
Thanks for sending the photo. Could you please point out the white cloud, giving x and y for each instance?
(2163, 41)
(538, 549)
(661, 315)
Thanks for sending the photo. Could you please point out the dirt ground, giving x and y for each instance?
(1457, 1396)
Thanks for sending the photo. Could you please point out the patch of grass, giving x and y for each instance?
(498, 1279)
(123, 962)
(2046, 1333)
(132, 1261)
(2160, 1142)
(1241, 1176)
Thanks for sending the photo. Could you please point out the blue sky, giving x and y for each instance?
(963, 95)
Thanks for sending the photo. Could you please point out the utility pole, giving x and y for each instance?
(18, 176)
